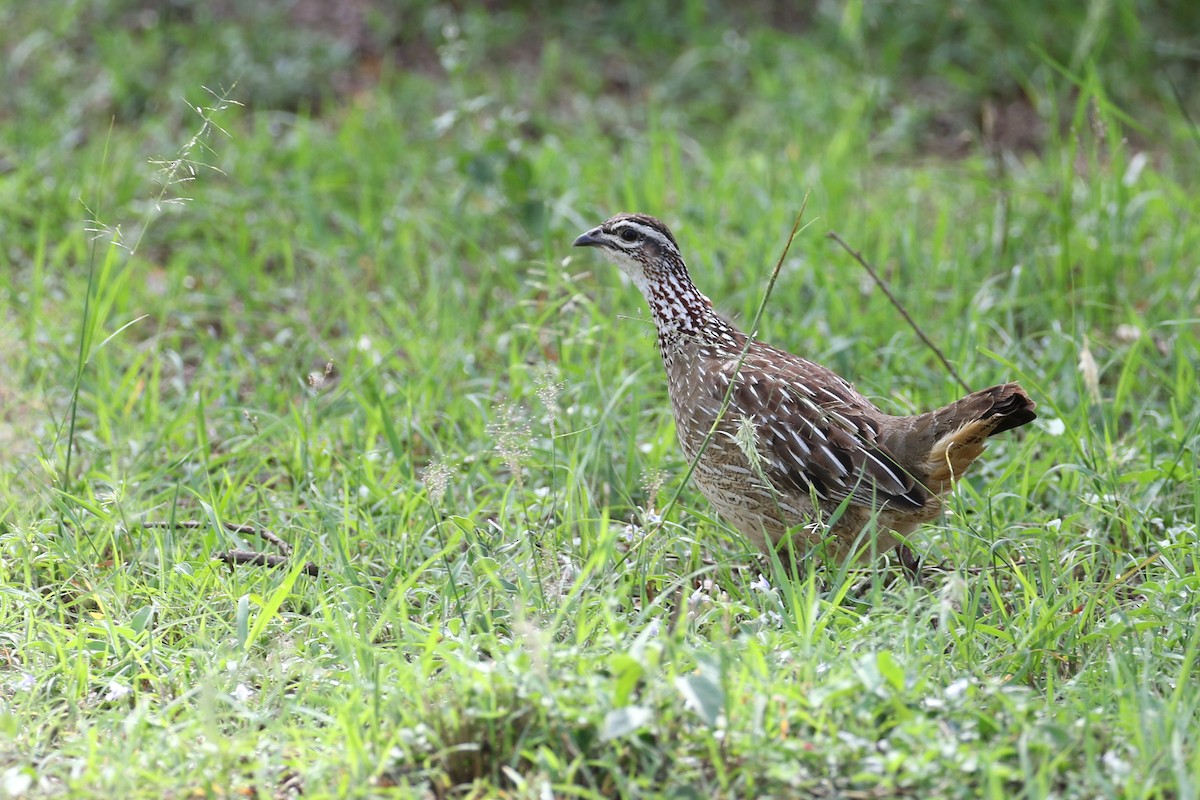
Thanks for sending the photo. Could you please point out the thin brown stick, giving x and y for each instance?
(233, 557)
(891, 297)
(242, 556)
(283, 546)
(196, 524)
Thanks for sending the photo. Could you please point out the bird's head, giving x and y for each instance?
(640, 245)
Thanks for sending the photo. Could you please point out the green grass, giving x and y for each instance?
(478, 470)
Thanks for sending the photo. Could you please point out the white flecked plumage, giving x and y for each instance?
(796, 441)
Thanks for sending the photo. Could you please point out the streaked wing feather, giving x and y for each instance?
(820, 441)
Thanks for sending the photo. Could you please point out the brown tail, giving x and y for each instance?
(955, 434)
(1010, 405)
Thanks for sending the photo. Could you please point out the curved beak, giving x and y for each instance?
(589, 239)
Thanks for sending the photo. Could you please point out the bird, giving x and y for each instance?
(786, 450)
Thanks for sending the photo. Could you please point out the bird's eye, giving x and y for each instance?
(630, 235)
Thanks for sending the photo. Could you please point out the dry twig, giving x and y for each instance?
(233, 557)
(883, 287)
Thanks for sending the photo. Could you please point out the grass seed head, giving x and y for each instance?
(437, 480)
(511, 432)
(548, 392)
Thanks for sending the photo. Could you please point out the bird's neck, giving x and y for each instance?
(684, 317)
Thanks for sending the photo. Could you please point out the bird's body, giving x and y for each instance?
(795, 447)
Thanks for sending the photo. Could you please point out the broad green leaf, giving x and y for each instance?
(702, 695)
(624, 721)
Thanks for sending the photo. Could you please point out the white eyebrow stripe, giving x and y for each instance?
(645, 230)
